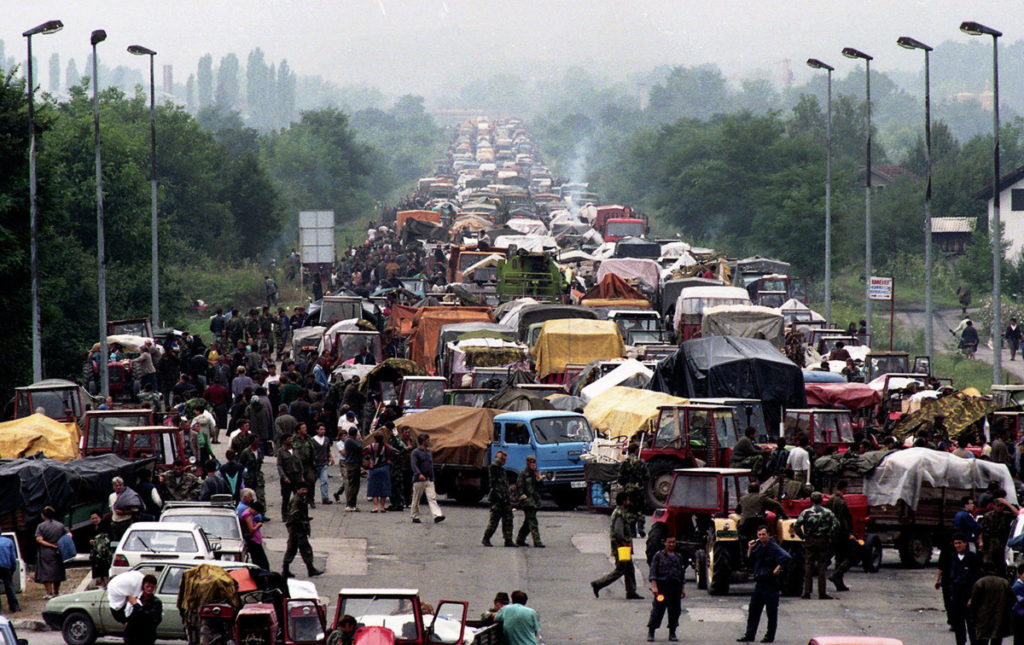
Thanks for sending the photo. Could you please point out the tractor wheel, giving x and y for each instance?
(720, 569)
(701, 568)
(872, 554)
(915, 550)
(793, 576)
(660, 482)
(655, 540)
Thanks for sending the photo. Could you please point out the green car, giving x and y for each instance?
(84, 617)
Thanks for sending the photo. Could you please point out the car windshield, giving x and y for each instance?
(397, 614)
(696, 491)
(158, 541)
(562, 430)
(215, 525)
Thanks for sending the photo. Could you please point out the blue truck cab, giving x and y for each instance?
(558, 439)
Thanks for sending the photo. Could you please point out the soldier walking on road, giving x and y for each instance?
(500, 498)
(528, 486)
(302, 447)
(667, 580)
(399, 467)
(816, 525)
(289, 469)
(297, 521)
(252, 460)
(843, 540)
(633, 477)
(621, 536)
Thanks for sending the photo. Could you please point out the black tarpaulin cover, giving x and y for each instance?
(36, 482)
(729, 366)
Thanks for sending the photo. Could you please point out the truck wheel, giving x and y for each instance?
(721, 569)
(915, 550)
(700, 568)
(793, 576)
(660, 482)
(470, 495)
(569, 498)
(872, 554)
(78, 629)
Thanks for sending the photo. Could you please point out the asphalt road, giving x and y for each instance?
(447, 561)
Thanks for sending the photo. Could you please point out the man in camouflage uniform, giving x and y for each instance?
(633, 477)
(252, 329)
(794, 348)
(302, 447)
(297, 521)
(267, 327)
(251, 458)
(621, 535)
(235, 328)
(816, 525)
(500, 498)
(843, 540)
(398, 471)
(528, 487)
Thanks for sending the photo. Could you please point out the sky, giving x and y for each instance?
(417, 45)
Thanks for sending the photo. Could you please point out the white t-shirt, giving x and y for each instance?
(798, 460)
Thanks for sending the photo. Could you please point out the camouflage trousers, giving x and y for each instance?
(530, 526)
(500, 512)
(635, 514)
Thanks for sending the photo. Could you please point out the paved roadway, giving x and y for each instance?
(447, 561)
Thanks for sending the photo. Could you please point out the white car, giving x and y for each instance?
(217, 519)
(162, 542)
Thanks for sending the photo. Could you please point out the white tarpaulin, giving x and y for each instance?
(527, 226)
(901, 475)
(532, 243)
(645, 271)
(631, 373)
(747, 321)
(794, 306)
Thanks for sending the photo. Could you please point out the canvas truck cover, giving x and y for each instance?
(458, 434)
(207, 583)
(39, 433)
(427, 324)
(31, 484)
(622, 411)
(646, 271)
(530, 314)
(415, 229)
(726, 366)
(851, 396)
(961, 410)
(746, 321)
(613, 291)
(562, 342)
(423, 216)
(902, 473)
(631, 373)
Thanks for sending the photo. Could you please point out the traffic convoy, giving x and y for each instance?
(563, 331)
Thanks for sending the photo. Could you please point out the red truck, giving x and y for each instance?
(616, 222)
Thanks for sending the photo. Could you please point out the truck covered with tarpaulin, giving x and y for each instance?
(427, 324)
(630, 373)
(727, 366)
(852, 396)
(746, 321)
(624, 411)
(566, 341)
(39, 433)
(644, 271)
(613, 291)
(423, 216)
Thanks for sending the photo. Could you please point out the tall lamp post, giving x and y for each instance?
(48, 27)
(909, 43)
(96, 38)
(139, 50)
(850, 52)
(978, 29)
(817, 64)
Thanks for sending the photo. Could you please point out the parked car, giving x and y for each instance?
(218, 520)
(7, 634)
(83, 617)
(162, 541)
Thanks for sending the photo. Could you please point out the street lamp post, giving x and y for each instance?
(978, 29)
(817, 64)
(909, 43)
(850, 52)
(48, 27)
(97, 37)
(139, 50)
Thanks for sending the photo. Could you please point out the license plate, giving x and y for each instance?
(577, 484)
(575, 453)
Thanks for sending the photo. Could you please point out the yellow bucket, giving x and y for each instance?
(625, 553)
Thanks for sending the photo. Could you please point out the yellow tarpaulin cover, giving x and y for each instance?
(27, 436)
(564, 341)
(622, 411)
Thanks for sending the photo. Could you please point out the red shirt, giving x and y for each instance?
(217, 394)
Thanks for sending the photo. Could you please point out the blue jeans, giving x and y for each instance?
(321, 474)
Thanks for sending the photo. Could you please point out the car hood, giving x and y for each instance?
(95, 595)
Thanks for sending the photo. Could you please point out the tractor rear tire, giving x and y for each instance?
(660, 482)
(700, 568)
(720, 569)
(872, 554)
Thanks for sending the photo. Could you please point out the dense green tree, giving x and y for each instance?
(227, 93)
(204, 81)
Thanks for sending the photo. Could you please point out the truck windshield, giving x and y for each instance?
(694, 492)
(628, 228)
(562, 430)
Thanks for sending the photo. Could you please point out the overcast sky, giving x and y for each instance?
(407, 45)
